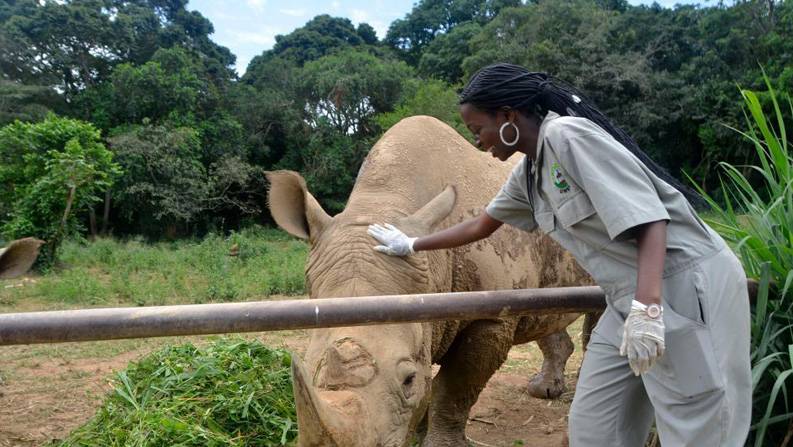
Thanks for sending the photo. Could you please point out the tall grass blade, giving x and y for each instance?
(756, 218)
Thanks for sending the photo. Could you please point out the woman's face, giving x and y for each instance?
(485, 128)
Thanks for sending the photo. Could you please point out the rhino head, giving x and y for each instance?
(366, 385)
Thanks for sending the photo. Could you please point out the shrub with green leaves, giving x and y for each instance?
(233, 392)
(758, 222)
(426, 97)
(50, 172)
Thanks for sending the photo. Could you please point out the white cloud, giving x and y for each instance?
(257, 5)
(265, 38)
(293, 12)
(359, 15)
(379, 27)
(336, 5)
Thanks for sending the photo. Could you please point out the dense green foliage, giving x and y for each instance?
(147, 75)
(49, 172)
(232, 392)
(758, 221)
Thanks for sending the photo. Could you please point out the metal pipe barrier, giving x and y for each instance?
(257, 316)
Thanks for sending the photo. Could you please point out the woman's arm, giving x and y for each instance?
(463, 233)
(651, 241)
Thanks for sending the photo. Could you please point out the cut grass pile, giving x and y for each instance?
(232, 392)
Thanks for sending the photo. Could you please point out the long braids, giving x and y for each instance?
(506, 85)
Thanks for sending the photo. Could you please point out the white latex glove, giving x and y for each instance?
(394, 242)
(642, 338)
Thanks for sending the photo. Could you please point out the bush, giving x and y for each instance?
(50, 172)
(426, 97)
(232, 392)
(758, 222)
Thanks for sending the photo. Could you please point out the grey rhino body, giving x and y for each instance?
(373, 386)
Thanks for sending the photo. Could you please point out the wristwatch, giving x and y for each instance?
(653, 310)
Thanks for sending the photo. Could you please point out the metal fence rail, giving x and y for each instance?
(195, 319)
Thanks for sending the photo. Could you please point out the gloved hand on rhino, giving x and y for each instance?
(394, 241)
(643, 335)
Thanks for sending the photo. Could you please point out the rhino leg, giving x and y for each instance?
(549, 382)
(477, 352)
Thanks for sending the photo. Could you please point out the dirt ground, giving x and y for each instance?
(48, 390)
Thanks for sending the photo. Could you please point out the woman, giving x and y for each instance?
(673, 343)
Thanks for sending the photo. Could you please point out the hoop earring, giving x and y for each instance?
(501, 134)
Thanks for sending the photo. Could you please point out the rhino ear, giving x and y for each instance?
(293, 207)
(435, 210)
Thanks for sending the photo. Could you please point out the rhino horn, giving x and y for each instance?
(316, 421)
(436, 209)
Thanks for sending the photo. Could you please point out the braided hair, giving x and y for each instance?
(506, 85)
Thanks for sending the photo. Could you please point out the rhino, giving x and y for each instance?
(374, 385)
(18, 256)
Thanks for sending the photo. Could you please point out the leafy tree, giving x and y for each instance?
(50, 172)
(429, 18)
(367, 33)
(319, 37)
(272, 120)
(434, 98)
(622, 83)
(73, 45)
(347, 100)
(330, 162)
(169, 86)
(443, 57)
(169, 189)
(165, 185)
(24, 102)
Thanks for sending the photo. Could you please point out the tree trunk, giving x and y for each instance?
(106, 213)
(92, 224)
(59, 235)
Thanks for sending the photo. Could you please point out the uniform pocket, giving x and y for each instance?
(689, 365)
(574, 209)
(684, 294)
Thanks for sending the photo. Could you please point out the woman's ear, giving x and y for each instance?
(510, 114)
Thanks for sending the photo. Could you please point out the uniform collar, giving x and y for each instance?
(535, 167)
(550, 116)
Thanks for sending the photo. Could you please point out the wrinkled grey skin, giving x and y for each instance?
(373, 385)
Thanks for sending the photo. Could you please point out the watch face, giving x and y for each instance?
(653, 311)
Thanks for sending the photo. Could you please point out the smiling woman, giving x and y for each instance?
(677, 304)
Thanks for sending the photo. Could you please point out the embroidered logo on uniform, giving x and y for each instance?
(558, 179)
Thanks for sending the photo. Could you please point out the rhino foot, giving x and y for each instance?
(543, 387)
(549, 382)
(447, 441)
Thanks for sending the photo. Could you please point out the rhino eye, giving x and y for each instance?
(409, 380)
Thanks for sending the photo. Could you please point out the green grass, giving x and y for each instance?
(109, 272)
(757, 220)
(232, 392)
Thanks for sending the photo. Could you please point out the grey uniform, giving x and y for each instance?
(588, 192)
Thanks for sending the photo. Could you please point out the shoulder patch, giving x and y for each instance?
(558, 178)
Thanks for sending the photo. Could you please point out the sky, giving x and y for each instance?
(249, 27)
